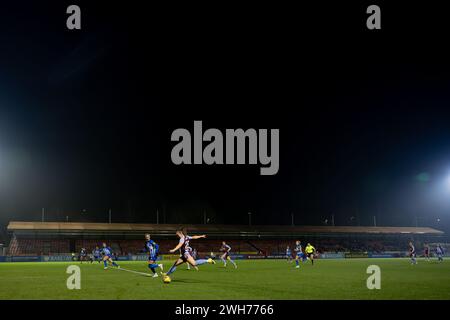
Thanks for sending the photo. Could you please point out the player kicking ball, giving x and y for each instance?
(153, 250)
(185, 254)
(226, 255)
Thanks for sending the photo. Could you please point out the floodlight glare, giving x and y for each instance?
(447, 182)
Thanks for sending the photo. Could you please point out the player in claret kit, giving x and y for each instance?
(226, 255)
(185, 253)
(83, 255)
(426, 252)
(107, 256)
(152, 248)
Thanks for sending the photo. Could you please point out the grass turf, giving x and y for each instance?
(254, 279)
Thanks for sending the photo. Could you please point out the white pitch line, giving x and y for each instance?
(137, 272)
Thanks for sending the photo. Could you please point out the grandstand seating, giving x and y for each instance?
(51, 238)
(38, 246)
(20, 246)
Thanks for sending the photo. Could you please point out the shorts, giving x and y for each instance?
(153, 257)
(185, 256)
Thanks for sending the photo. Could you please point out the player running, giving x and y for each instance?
(153, 249)
(310, 250)
(426, 252)
(440, 253)
(83, 254)
(226, 255)
(298, 253)
(288, 254)
(107, 256)
(185, 256)
(96, 254)
(412, 253)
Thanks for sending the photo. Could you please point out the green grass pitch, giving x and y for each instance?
(254, 279)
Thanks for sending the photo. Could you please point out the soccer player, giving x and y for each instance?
(193, 253)
(107, 256)
(288, 254)
(153, 249)
(426, 252)
(82, 255)
(298, 253)
(440, 253)
(185, 256)
(310, 250)
(226, 255)
(412, 253)
(96, 254)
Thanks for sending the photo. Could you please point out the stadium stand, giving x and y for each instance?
(53, 238)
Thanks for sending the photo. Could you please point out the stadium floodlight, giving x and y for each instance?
(447, 182)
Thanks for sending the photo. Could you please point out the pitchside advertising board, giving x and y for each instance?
(326, 255)
(339, 255)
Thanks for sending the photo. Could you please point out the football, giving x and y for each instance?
(166, 279)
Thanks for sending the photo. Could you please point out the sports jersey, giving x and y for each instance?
(152, 248)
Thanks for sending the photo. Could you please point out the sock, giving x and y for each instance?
(172, 269)
(105, 263)
(223, 260)
(312, 261)
(151, 267)
(115, 264)
(296, 261)
(233, 262)
(201, 261)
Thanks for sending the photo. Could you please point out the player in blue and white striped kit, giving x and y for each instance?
(298, 253)
(153, 249)
(107, 256)
(288, 254)
(96, 254)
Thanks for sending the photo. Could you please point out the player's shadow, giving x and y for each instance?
(187, 281)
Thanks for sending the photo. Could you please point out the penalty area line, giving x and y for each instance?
(136, 272)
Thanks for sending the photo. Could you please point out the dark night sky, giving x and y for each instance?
(86, 116)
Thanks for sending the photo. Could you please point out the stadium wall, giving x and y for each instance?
(325, 255)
